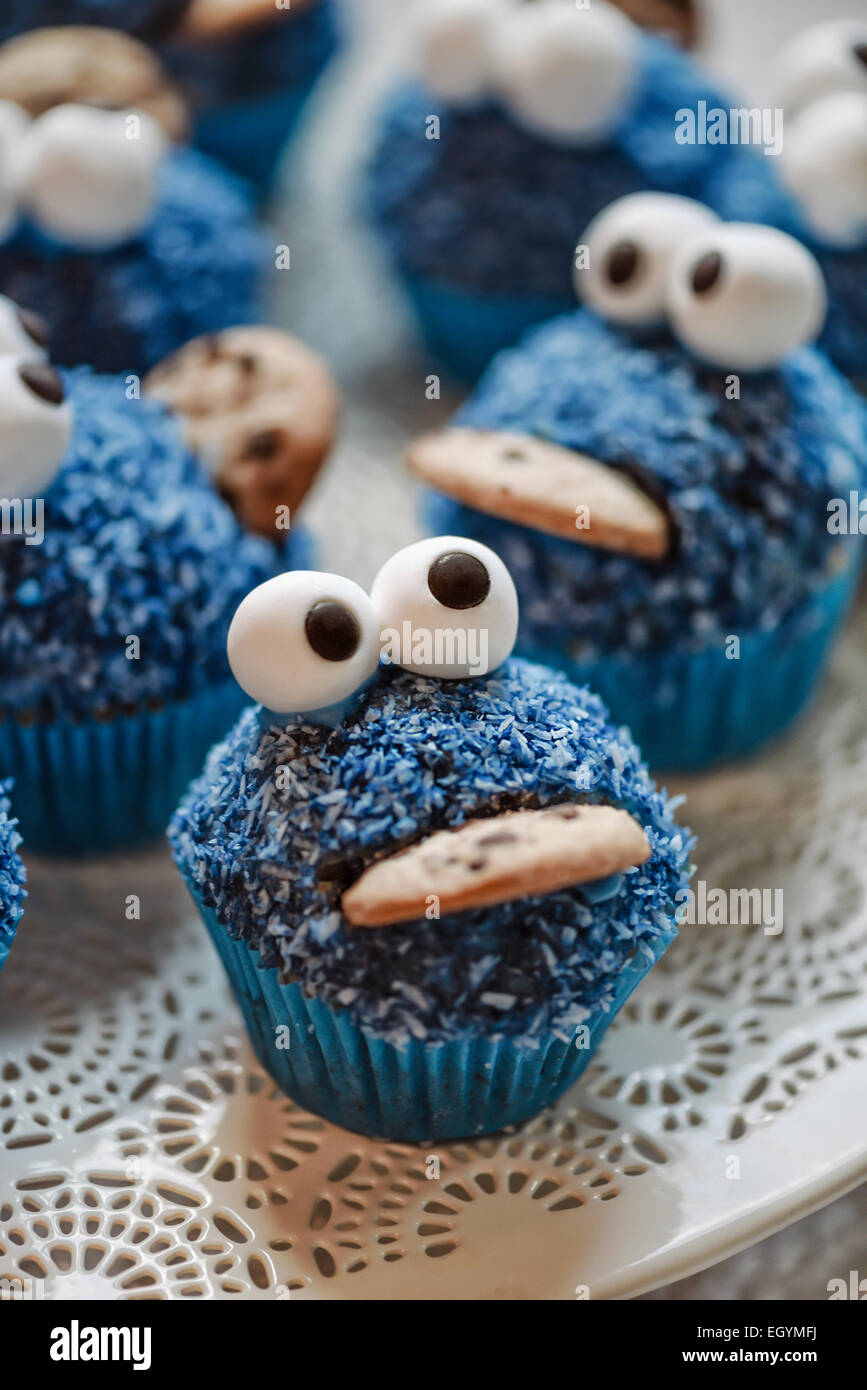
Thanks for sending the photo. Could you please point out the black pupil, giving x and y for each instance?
(332, 630)
(706, 272)
(622, 262)
(43, 381)
(457, 580)
(34, 326)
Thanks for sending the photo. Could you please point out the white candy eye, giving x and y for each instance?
(630, 246)
(823, 60)
(13, 125)
(35, 424)
(22, 331)
(453, 41)
(447, 607)
(824, 163)
(303, 641)
(91, 175)
(745, 296)
(565, 73)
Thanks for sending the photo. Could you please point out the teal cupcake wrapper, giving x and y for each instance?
(419, 1091)
(465, 329)
(691, 710)
(94, 786)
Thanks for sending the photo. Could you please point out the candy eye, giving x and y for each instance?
(823, 60)
(745, 296)
(35, 424)
(630, 246)
(22, 331)
(452, 42)
(303, 641)
(824, 163)
(565, 73)
(447, 607)
(91, 175)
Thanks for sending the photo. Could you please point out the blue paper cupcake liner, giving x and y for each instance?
(690, 710)
(420, 1091)
(464, 330)
(103, 785)
(250, 136)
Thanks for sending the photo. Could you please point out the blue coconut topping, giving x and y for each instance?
(283, 819)
(12, 873)
(490, 207)
(196, 268)
(144, 17)
(284, 51)
(746, 483)
(137, 543)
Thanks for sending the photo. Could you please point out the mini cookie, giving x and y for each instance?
(207, 19)
(521, 854)
(556, 490)
(676, 19)
(260, 408)
(92, 67)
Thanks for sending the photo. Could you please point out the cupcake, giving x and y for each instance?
(820, 192)
(526, 121)
(121, 565)
(248, 67)
(433, 884)
(12, 874)
(669, 475)
(128, 244)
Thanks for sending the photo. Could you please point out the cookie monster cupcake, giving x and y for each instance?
(126, 243)
(248, 67)
(668, 475)
(526, 120)
(436, 880)
(820, 194)
(12, 874)
(120, 568)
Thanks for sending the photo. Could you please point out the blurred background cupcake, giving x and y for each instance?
(12, 874)
(668, 475)
(248, 67)
(125, 241)
(119, 581)
(401, 981)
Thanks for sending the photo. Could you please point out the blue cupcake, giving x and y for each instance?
(527, 122)
(675, 507)
(820, 192)
(12, 874)
(120, 568)
(127, 244)
(432, 894)
(248, 68)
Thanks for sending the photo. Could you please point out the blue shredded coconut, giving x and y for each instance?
(491, 207)
(137, 542)
(196, 268)
(12, 873)
(284, 818)
(143, 17)
(747, 483)
(285, 50)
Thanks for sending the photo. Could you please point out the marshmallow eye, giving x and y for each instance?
(622, 264)
(91, 175)
(22, 331)
(303, 641)
(35, 425)
(563, 72)
(745, 296)
(452, 41)
(820, 61)
(824, 164)
(447, 608)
